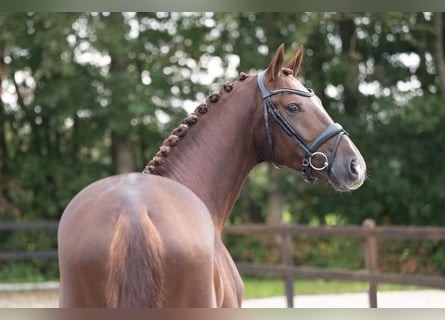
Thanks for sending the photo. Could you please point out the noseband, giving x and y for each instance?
(310, 150)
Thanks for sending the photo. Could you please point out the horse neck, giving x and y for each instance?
(218, 152)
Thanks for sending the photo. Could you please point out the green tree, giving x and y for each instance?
(88, 95)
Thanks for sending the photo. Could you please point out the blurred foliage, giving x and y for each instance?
(73, 82)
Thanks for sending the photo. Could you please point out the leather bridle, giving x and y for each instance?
(310, 150)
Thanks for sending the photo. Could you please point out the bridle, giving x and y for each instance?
(310, 150)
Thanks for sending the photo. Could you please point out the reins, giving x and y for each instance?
(310, 150)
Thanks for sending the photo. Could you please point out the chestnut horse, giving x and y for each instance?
(153, 239)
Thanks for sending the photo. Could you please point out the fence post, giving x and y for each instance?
(371, 256)
(287, 256)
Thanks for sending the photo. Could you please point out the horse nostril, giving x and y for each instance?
(354, 168)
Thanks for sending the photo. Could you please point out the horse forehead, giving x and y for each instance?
(290, 82)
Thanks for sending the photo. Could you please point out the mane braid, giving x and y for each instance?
(181, 131)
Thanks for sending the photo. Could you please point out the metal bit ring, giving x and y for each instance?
(325, 162)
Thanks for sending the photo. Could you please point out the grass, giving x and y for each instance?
(269, 287)
(253, 287)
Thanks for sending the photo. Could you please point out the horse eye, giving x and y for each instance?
(293, 108)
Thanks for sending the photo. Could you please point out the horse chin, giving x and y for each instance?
(345, 185)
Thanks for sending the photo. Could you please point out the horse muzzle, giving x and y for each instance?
(348, 172)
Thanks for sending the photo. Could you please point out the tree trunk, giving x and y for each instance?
(121, 143)
(347, 30)
(246, 208)
(275, 199)
(438, 49)
(122, 153)
(3, 150)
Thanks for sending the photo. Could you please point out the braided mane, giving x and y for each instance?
(181, 131)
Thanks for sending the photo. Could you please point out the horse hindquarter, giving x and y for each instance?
(136, 241)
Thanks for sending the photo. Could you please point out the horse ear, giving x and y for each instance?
(276, 64)
(295, 63)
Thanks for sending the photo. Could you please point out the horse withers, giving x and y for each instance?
(153, 239)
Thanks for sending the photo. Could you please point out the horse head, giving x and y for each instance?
(299, 133)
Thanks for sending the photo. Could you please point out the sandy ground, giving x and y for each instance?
(29, 299)
(396, 299)
(48, 298)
